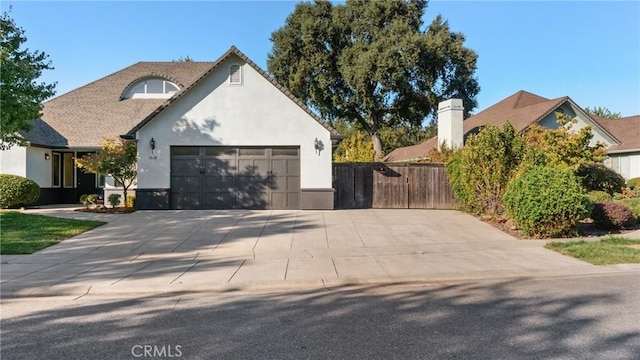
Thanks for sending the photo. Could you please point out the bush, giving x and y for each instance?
(547, 202)
(84, 200)
(92, 199)
(481, 170)
(633, 183)
(597, 196)
(131, 201)
(17, 191)
(114, 200)
(599, 177)
(633, 204)
(610, 215)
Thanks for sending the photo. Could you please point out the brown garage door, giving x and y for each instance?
(215, 177)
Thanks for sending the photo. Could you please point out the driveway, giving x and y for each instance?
(174, 251)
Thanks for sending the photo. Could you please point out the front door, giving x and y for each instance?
(86, 182)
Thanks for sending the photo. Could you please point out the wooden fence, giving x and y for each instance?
(392, 186)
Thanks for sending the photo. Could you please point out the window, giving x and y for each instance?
(56, 169)
(185, 151)
(151, 88)
(284, 152)
(251, 151)
(99, 181)
(68, 169)
(235, 74)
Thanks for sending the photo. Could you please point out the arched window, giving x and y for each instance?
(151, 88)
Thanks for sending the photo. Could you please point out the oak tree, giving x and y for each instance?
(372, 62)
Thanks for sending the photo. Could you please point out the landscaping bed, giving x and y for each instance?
(108, 210)
(585, 228)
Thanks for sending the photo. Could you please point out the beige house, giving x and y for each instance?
(523, 109)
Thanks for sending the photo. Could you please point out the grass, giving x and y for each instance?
(25, 233)
(609, 250)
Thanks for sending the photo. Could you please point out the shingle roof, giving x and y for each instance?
(44, 135)
(521, 109)
(84, 116)
(626, 130)
(234, 51)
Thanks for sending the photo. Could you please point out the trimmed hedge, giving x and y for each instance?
(599, 177)
(610, 215)
(17, 191)
(547, 202)
(633, 183)
(633, 204)
(597, 196)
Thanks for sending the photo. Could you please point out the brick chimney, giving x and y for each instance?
(450, 116)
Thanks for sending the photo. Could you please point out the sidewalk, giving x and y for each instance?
(152, 252)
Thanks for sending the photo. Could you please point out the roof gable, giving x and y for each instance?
(86, 115)
(521, 109)
(232, 51)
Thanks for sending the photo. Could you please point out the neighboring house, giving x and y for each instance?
(211, 135)
(523, 109)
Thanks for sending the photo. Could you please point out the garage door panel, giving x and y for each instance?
(219, 167)
(193, 184)
(178, 167)
(217, 200)
(244, 177)
(293, 167)
(293, 183)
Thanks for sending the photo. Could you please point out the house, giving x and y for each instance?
(211, 135)
(523, 109)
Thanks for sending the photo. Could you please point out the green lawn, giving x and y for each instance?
(609, 250)
(25, 234)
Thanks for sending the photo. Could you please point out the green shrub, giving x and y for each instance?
(84, 200)
(597, 196)
(114, 200)
(633, 204)
(131, 201)
(610, 215)
(92, 198)
(481, 170)
(547, 202)
(17, 191)
(599, 177)
(633, 183)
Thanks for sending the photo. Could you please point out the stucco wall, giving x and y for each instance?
(550, 121)
(14, 161)
(218, 113)
(39, 169)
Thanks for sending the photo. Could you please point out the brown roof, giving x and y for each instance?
(521, 109)
(626, 130)
(86, 115)
(234, 51)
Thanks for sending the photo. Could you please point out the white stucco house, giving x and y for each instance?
(211, 135)
(523, 109)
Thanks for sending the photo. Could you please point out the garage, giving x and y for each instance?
(225, 177)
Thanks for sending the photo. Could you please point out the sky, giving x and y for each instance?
(587, 50)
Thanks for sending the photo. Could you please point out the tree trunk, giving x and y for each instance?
(377, 146)
(375, 138)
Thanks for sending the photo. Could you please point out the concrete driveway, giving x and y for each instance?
(173, 251)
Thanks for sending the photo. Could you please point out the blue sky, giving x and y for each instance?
(587, 50)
